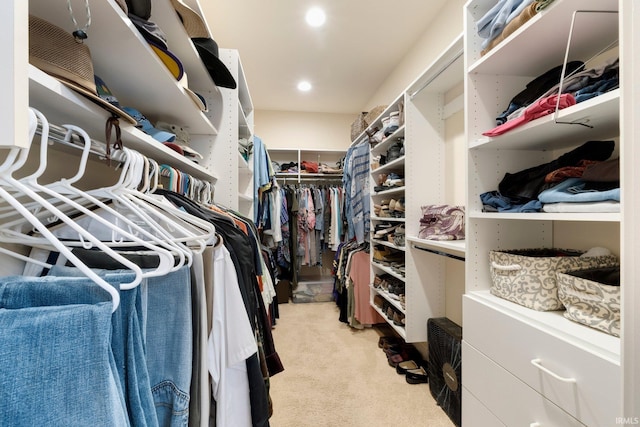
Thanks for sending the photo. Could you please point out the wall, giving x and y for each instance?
(288, 129)
(285, 129)
(435, 39)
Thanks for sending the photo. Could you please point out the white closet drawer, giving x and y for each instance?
(579, 379)
(512, 401)
(475, 414)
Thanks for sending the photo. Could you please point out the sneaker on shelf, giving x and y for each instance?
(393, 123)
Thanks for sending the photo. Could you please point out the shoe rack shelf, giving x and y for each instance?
(427, 103)
(601, 371)
(388, 244)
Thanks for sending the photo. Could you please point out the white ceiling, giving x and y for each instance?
(346, 60)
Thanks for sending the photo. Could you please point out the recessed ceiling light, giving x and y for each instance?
(304, 86)
(315, 17)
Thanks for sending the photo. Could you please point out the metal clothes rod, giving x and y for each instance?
(437, 74)
(58, 134)
(433, 251)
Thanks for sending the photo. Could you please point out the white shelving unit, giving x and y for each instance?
(148, 86)
(427, 181)
(629, 229)
(298, 155)
(154, 91)
(580, 382)
(236, 123)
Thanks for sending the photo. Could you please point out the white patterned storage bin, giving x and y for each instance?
(528, 276)
(592, 297)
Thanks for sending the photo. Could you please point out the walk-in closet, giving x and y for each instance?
(327, 213)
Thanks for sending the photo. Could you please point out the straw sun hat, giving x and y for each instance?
(56, 52)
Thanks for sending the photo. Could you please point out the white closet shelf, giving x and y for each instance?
(382, 147)
(389, 244)
(393, 190)
(386, 295)
(548, 30)
(245, 130)
(391, 219)
(243, 165)
(452, 247)
(601, 113)
(135, 75)
(245, 198)
(400, 330)
(64, 105)
(548, 216)
(395, 165)
(388, 270)
(554, 323)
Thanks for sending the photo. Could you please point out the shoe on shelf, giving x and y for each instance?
(398, 319)
(383, 232)
(398, 206)
(378, 301)
(398, 236)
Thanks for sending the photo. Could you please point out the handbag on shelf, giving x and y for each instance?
(442, 222)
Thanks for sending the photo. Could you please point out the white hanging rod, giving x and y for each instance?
(58, 134)
(441, 70)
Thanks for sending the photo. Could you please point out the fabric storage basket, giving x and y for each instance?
(358, 126)
(528, 276)
(592, 297)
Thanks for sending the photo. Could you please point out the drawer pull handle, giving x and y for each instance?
(537, 364)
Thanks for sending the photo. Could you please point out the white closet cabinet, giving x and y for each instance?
(560, 372)
(428, 172)
(137, 77)
(234, 190)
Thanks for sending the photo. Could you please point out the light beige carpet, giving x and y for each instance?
(336, 376)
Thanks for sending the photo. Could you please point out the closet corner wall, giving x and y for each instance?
(434, 174)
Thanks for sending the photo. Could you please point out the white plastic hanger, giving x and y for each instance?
(157, 246)
(86, 239)
(122, 192)
(192, 229)
(12, 157)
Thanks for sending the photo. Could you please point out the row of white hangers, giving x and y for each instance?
(128, 211)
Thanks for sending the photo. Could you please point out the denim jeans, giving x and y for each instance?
(56, 363)
(127, 345)
(165, 321)
(169, 340)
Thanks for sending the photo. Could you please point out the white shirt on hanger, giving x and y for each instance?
(231, 342)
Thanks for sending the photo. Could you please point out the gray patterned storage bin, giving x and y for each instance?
(528, 276)
(592, 297)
